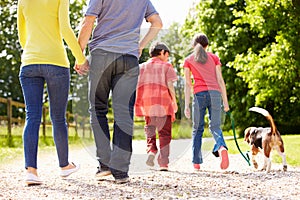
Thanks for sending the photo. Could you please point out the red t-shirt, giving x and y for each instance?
(204, 75)
(153, 97)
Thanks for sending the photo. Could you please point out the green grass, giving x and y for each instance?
(291, 144)
(180, 130)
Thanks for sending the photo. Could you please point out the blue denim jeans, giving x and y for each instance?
(32, 79)
(116, 75)
(212, 101)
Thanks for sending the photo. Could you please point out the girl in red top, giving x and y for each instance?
(209, 91)
(156, 101)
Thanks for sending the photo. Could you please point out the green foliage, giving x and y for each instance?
(271, 70)
(10, 51)
(179, 48)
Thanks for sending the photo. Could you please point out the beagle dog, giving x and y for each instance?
(265, 140)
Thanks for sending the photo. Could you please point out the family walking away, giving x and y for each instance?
(114, 49)
(209, 90)
(145, 90)
(44, 59)
(156, 101)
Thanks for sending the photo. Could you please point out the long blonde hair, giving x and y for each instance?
(200, 42)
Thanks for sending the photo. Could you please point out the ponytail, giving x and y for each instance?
(200, 54)
(200, 42)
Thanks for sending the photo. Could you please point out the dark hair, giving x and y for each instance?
(200, 42)
(157, 47)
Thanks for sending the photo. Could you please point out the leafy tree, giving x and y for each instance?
(271, 70)
(9, 51)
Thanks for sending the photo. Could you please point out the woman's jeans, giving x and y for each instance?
(115, 75)
(212, 101)
(33, 78)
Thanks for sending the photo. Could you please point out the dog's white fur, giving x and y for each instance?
(265, 139)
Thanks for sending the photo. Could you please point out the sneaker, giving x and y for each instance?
(197, 167)
(224, 158)
(102, 172)
(163, 168)
(67, 172)
(122, 180)
(150, 160)
(32, 179)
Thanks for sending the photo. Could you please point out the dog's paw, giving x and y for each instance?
(285, 168)
(255, 165)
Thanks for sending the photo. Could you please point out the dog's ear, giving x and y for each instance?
(247, 135)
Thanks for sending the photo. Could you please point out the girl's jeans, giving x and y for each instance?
(163, 125)
(116, 75)
(212, 101)
(33, 78)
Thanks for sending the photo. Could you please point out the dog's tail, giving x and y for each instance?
(267, 115)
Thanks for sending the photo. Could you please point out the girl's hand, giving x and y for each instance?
(187, 112)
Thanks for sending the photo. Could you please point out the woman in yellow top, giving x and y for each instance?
(42, 27)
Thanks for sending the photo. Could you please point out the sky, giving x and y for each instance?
(172, 10)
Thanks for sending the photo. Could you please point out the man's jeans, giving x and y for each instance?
(33, 78)
(212, 101)
(118, 74)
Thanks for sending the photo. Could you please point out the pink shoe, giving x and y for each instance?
(197, 167)
(224, 158)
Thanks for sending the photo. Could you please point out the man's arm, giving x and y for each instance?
(156, 25)
(85, 32)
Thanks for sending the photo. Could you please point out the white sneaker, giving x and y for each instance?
(32, 179)
(68, 172)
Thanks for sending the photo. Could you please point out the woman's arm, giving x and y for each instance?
(21, 26)
(223, 87)
(187, 92)
(68, 33)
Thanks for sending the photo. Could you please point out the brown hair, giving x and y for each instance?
(157, 47)
(200, 42)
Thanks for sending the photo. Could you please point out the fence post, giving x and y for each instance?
(76, 126)
(9, 116)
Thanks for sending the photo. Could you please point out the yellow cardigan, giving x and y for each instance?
(42, 27)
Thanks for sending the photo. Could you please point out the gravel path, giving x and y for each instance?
(239, 181)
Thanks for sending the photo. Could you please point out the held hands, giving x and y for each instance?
(82, 69)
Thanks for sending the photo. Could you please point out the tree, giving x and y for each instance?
(271, 70)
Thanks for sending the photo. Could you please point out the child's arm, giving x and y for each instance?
(173, 95)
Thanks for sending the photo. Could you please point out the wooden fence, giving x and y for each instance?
(79, 123)
(72, 119)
